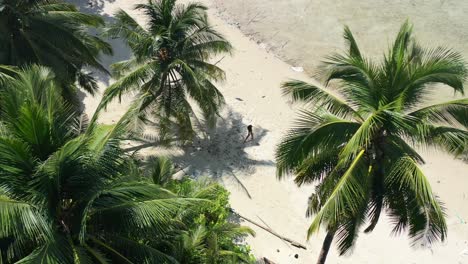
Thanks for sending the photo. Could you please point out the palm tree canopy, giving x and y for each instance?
(64, 194)
(359, 145)
(209, 237)
(170, 63)
(51, 33)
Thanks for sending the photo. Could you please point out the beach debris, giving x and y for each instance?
(239, 99)
(271, 231)
(277, 250)
(464, 253)
(296, 256)
(253, 19)
(240, 184)
(267, 261)
(297, 69)
(462, 221)
(219, 60)
(181, 173)
(263, 96)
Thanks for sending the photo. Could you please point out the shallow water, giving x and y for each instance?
(302, 32)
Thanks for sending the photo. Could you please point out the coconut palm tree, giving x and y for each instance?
(170, 67)
(55, 34)
(206, 233)
(359, 145)
(64, 194)
(212, 244)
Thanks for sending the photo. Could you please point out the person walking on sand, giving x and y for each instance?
(249, 134)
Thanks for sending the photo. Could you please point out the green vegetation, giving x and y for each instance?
(169, 65)
(209, 236)
(54, 34)
(359, 147)
(69, 194)
(64, 196)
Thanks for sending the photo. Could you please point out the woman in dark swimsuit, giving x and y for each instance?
(250, 133)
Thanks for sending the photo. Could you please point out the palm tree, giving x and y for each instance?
(358, 146)
(55, 34)
(208, 236)
(64, 194)
(170, 64)
(206, 233)
(212, 244)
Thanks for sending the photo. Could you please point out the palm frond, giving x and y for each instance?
(302, 91)
(348, 194)
(150, 206)
(353, 46)
(160, 169)
(348, 230)
(139, 252)
(313, 134)
(452, 113)
(22, 219)
(430, 226)
(362, 137)
(57, 251)
(437, 65)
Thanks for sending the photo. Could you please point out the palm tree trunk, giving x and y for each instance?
(326, 247)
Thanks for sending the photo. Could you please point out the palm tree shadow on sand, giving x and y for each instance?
(222, 153)
(120, 49)
(91, 6)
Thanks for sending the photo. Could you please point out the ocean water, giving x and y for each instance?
(303, 32)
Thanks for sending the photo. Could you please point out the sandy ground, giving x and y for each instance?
(252, 94)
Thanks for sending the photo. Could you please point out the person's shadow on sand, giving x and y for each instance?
(222, 151)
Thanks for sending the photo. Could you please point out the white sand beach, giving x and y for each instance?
(252, 94)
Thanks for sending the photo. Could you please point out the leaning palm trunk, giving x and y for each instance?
(326, 247)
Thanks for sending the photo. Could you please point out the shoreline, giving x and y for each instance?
(303, 32)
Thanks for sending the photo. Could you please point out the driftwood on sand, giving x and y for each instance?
(267, 261)
(269, 230)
